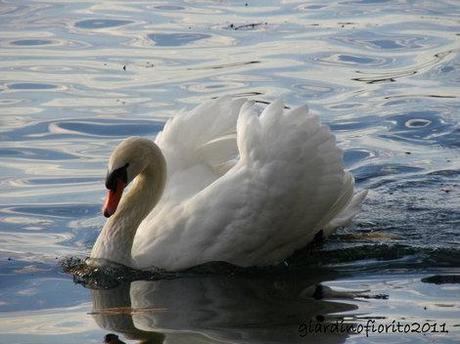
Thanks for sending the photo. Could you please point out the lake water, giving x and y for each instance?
(76, 77)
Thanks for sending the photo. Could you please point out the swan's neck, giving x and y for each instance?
(116, 238)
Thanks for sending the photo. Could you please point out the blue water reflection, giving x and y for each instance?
(31, 86)
(31, 42)
(176, 39)
(101, 23)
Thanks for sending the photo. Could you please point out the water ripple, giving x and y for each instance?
(101, 23)
(83, 127)
(176, 39)
(421, 126)
(31, 42)
(31, 86)
(396, 74)
(34, 154)
(55, 210)
(353, 60)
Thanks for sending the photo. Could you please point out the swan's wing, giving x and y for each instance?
(206, 135)
(199, 147)
(288, 184)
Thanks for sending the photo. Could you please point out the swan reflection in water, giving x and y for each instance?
(218, 309)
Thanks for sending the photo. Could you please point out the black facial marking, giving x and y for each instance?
(319, 292)
(109, 337)
(120, 173)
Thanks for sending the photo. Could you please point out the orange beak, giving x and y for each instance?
(113, 198)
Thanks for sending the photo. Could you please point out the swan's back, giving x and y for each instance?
(249, 199)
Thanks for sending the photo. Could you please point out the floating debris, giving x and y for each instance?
(250, 26)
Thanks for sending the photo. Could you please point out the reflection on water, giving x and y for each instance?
(216, 309)
(77, 77)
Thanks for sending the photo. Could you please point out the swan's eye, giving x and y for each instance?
(120, 173)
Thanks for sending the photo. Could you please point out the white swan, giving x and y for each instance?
(203, 192)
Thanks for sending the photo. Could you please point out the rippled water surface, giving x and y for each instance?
(78, 76)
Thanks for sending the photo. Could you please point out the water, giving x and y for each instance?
(77, 77)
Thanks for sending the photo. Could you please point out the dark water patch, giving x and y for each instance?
(345, 106)
(417, 182)
(170, 8)
(226, 65)
(414, 209)
(368, 2)
(215, 86)
(378, 257)
(418, 96)
(349, 60)
(111, 129)
(447, 69)
(31, 42)
(101, 23)
(390, 44)
(55, 210)
(59, 181)
(176, 39)
(34, 154)
(445, 173)
(356, 59)
(352, 156)
(369, 172)
(310, 7)
(372, 40)
(31, 86)
(442, 279)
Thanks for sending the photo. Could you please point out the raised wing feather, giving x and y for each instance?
(206, 135)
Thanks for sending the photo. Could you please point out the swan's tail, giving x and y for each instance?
(344, 217)
(344, 209)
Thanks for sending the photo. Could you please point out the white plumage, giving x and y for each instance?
(241, 187)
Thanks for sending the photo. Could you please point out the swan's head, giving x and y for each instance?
(128, 159)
